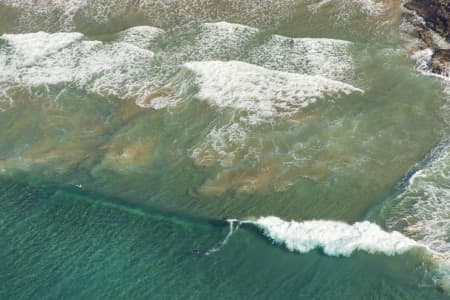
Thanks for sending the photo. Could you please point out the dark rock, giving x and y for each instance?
(440, 61)
(436, 14)
(425, 35)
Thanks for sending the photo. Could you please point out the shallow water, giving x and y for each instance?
(311, 111)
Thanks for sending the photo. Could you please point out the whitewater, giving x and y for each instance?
(132, 129)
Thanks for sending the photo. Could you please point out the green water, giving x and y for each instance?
(104, 194)
(57, 243)
(106, 144)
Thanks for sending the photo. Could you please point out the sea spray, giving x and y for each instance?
(340, 239)
(333, 237)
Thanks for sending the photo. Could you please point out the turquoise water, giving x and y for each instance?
(60, 243)
(134, 132)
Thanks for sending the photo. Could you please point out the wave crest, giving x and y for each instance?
(334, 238)
(260, 91)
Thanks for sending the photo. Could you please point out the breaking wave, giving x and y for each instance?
(261, 92)
(334, 238)
(312, 56)
(222, 40)
(120, 68)
(132, 65)
(339, 239)
(253, 95)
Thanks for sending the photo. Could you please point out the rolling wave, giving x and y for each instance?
(334, 238)
(260, 91)
(115, 68)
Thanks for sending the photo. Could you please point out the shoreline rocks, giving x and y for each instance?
(433, 29)
(436, 14)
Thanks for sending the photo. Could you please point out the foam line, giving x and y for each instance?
(260, 91)
(121, 68)
(312, 56)
(333, 237)
(422, 210)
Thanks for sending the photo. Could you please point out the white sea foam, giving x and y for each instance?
(260, 91)
(412, 24)
(29, 47)
(122, 67)
(65, 9)
(368, 7)
(261, 94)
(61, 14)
(117, 68)
(140, 36)
(334, 238)
(222, 39)
(313, 56)
(222, 142)
(339, 239)
(422, 210)
(423, 59)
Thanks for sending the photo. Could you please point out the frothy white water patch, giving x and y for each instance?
(368, 7)
(118, 68)
(29, 47)
(260, 91)
(313, 56)
(334, 238)
(63, 10)
(339, 239)
(222, 40)
(253, 95)
(423, 60)
(422, 210)
(223, 142)
(410, 28)
(140, 36)
(63, 14)
(60, 14)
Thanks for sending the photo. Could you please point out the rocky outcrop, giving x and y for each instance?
(440, 62)
(436, 19)
(436, 14)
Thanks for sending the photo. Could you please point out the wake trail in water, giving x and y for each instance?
(231, 231)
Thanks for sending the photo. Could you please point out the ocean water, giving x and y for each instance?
(60, 243)
(229, 150)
